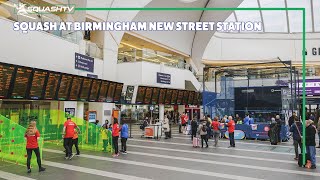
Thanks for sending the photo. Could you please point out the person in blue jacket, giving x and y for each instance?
(247, 120)
(124, 137)
(296, 129)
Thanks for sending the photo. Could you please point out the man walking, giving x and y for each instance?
(68, 133)
(231, 126)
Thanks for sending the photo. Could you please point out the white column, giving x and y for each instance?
(161, 112)
(80, 110)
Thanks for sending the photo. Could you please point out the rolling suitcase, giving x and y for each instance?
(195, 142)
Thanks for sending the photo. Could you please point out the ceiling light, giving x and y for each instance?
(188, 1)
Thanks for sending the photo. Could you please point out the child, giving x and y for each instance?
(124, 137)
(104, 137)
(75, 142)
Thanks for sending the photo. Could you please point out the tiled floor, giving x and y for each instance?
(172, 159)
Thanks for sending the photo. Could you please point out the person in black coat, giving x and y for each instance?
(311, 142)
(194, 127)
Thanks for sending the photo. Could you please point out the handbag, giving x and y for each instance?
(298, 131)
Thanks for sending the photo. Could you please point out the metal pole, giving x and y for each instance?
(130, 128)
(291, 88)
(295, 88)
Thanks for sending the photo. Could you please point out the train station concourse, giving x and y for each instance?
(159, 89)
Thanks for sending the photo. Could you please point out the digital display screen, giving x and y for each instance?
(94, 90)
(6, 73)
(140, 95)
(85, 89)
(103, 91)
(117, 93)
(75, 88)
(180, 97)
(129, 94)
(162, 96)
(174, 96)
(168, 96)
(155, 95)
(111, 90)
(37, 84)
(185, 97)
(52, 85)
(147, 97)
(21, 82)
(65, 85)
(190, 99)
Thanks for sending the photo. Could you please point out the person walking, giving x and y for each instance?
(75, 142)
(273, 132)
(115, 137)
(216, 130)
(296, 129)
(166, 126)
(231, 127)
(68, 133)
(32, 136)
(124, 137)
(203, 133)
(311, 142)
(194, 128)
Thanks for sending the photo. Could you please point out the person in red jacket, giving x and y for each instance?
(231, 126)
(32, 136)
(115, 137)
(68, 133)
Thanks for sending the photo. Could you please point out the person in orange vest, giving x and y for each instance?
(75, 142)
(231, 127)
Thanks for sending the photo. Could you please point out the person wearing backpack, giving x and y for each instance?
(296, 129)
(203, 133)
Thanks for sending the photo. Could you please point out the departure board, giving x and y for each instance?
(174, 96)
(103, 91)
(37, 84)
(6, 73)
(155, 96)
(162, 96)
(94, 90)
(195, 98)
(75, 88)
(117, 93)
(168, 96)
(185, 97)
(140, 95)
(148, 95)
(180, 97)
(190, 99)
(110, 94)
(85, 89)
(52, 85)
(21, 82)
(65, 85)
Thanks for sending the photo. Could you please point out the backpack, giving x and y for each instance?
(204, 128)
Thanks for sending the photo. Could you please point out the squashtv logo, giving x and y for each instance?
(24, 9)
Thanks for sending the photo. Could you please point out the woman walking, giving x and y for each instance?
(115, 137)
(32, 136)
(296, 130)
(216, 130)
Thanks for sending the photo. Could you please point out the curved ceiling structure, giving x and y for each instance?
(194, 44)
